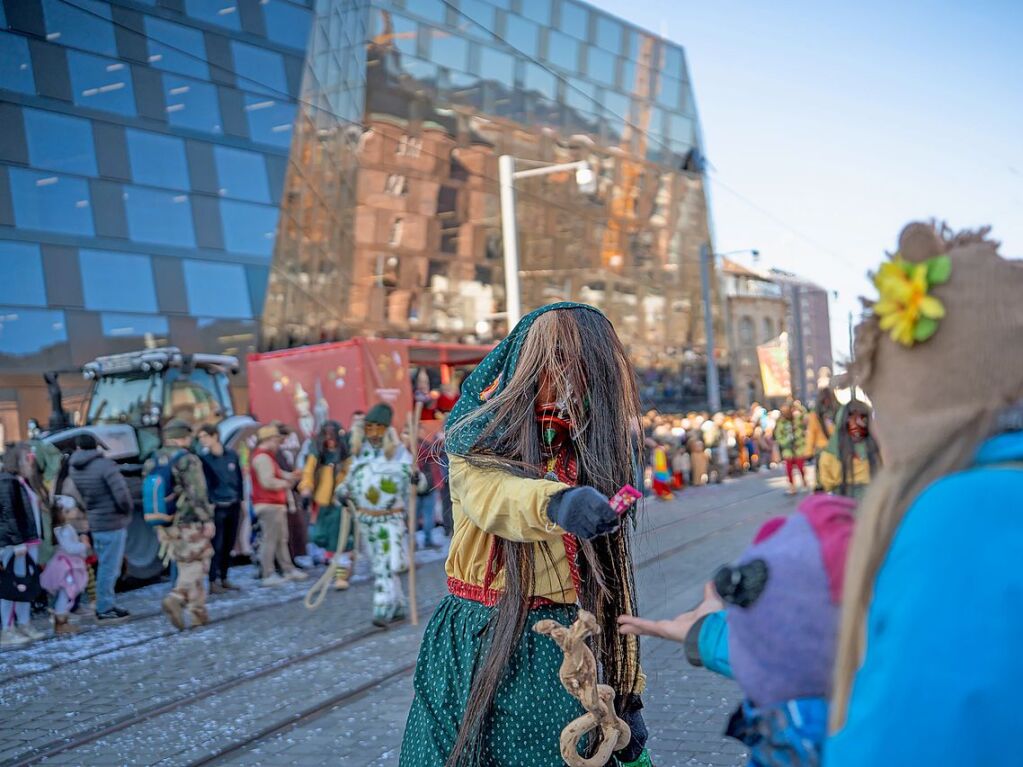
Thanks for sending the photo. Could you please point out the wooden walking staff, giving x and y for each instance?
(413, 438)
(578, 674)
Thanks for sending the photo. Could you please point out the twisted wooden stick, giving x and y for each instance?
(578, 674)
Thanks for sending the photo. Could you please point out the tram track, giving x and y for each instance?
(281, 665)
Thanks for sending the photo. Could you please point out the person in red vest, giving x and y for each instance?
(270, 486)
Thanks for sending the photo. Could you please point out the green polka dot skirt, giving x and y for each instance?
(530, 709)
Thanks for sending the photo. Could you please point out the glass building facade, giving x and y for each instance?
(228, 175)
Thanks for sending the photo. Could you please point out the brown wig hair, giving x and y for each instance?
(580, 355)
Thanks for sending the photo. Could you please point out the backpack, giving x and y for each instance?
(159, 501)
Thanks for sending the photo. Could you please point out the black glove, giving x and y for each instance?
(629, 709)
(583, 512)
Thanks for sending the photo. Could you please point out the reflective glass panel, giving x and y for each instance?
(223, 13)
(242, 174)
(15, 64)
(402, 35)
(600, 66)
(86, 26)
(22, 270)
(540, 80)
(286, 23)
(248, 228)
(497, 65)
(563, 51)
(176, 48)
(522, 35)
(59, 142)
(434, 10)
(133, 325)
(117, 281)
(609, 34)
(674, 62)
(617, 105)
(157, 160)
(28, 331)
(269, 120)
(581, 96)
(481, 14)
(159, 217)
(217, 289)
(191, 104)
(259, 70)
(537, 10)
(51, 203)
(101, 83)
(668, 92)
(449, 50)
(574, 20)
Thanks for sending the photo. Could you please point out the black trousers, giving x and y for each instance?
(226, 519)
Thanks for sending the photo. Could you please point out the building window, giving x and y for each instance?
(397, 230)
(192, 104)
(51, 203)
(269, 120)
(522, 35)
(242, 174)
(15, 64)
(449, 50)
(28, 331)
(147, 326)
(537, 10)
(287, 24)
(87, 26)
(563, 51)
(217, 290)
(768, 329)
(117, 281)
(396, 185)
(540, 81)
(59, 142)
(259, 70)
(159, 217)
(747, 331)
(176, 48)
(22, 268)
(248, 228)
(409, 146)
(156, 159)
(481, 14)
(101, 83)
(223, 13)
(497, 66)
(601, 66)
(609, 34)
(574, 20)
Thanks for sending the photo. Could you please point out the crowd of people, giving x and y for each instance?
(699, 448)
(64, 518)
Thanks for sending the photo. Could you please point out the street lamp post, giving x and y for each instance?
(507, 175)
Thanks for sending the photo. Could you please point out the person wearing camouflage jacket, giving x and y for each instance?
(188, 537)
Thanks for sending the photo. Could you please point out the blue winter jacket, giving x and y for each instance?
(943, 672)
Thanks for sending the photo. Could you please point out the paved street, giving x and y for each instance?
(270, 683)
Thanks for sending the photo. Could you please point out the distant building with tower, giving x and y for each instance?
(809, 323)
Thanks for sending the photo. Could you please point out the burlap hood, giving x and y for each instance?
(970, 368)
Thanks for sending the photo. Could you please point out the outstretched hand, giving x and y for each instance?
(677, 628)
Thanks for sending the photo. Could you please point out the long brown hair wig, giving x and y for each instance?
(579, 355)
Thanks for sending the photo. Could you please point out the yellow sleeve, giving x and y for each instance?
(501, 504)
(830, 470)
(308, 483)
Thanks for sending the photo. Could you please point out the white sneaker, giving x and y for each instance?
(31, 632)
(13, 638)
(791, 491)
(272, 580)
(296, 575)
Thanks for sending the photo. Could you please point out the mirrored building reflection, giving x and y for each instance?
(237, 175)
(390, 221)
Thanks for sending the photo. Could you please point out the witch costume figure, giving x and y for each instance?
(542, 436)
(378, 483)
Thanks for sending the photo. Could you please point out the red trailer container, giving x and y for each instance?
(307, 385)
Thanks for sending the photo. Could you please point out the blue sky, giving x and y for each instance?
(845, 121)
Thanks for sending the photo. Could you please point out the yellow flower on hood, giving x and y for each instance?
(905, 309)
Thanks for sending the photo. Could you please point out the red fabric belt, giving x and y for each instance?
(490, 597)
